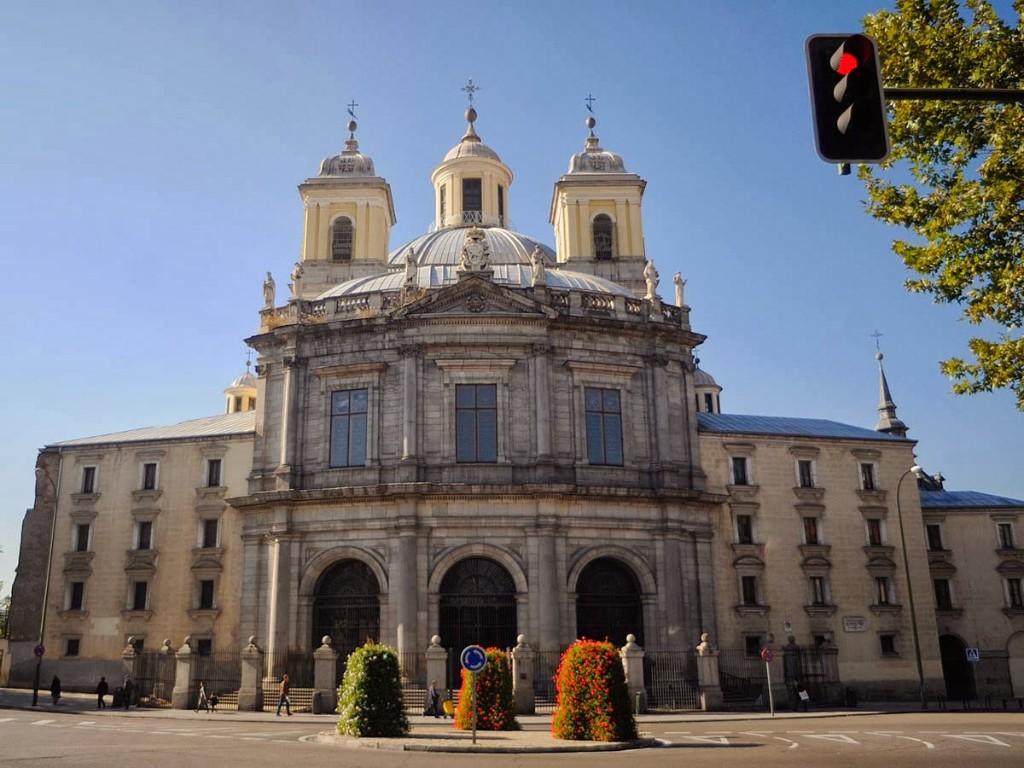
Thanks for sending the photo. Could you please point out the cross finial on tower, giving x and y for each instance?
(470, 88)
(590, 102)
(876, 336)
(352, 109)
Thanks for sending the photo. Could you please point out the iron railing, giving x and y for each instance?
(670, 680)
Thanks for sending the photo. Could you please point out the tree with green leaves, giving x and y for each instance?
(955, 177)
(370, 696)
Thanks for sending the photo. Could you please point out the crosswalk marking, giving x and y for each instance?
(895, 735)
(42, 722)
(840, 738)
(981, 738)
(710, 739)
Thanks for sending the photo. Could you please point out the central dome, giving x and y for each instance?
(444, 246)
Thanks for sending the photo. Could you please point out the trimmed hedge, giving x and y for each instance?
(370, 695)
(494, 702)
(593, 701)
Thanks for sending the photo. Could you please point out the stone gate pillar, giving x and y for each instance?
(437, 660)
(325, 670)
(250, 693)
(708, 678)
(633, 665)
(181, 696)
(128, 657)
(522, 677)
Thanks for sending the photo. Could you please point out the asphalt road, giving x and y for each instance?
(73, 740)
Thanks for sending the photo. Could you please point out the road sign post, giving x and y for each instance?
(473, 659)
(766, 657)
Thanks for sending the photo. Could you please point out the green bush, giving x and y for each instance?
(593, 701)
(370, 696)
(495, 705)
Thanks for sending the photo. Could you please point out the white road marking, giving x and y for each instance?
(42, 722)
(792, 744)
(892, 734)
(710, 739)
(754, 733)
(1009, 733)
(981, 738)
(839, 738)
(677, 733)
(283, 741)
(257, 734)
(6, 719)
(87, 722)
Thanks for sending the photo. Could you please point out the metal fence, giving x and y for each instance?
(743, 680)
(414, 686)
(545, 688)
(670, 680)
(153, 676)
(220, 674)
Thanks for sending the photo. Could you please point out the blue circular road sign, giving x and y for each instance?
(473, 658)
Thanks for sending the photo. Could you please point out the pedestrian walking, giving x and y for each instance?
(101, 690)
(283, 698)
(202, 702)
(433, 701)
(129, 690)
(55, 690)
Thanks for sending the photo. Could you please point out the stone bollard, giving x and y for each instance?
(181, 696)
(708, 678)
(128, 656)
(250, 691)
(633, 665)
(325, 680)
(437, 661)
(522, 677)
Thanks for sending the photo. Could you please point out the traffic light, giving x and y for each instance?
(847, 99)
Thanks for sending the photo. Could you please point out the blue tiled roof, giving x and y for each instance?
(785, 425)
(950, 499)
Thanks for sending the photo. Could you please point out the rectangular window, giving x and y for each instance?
(739, 471)
(471, 195)
(476, 423)
(1006, 535)
(811, 530)
(867, 476)
(934, 531)
(874, 532)
(748, 586)
(604, 426)
(139, 593)
(145, 535)
(82, 537)
(882, 590)
(238, 403)
(213, 473)
(805, 471)
(206, 594)
(943, 596)
(139, 644)
(501, 205)
(71, 646)
(818, 596)
(709, 402)
(744, 529)
(887, 644)
(89, 480)
(76, 596)
(210, 533)
(752, 645)
(1015, 592)
(348, 427)
(204, 646)
(149, 476)
(444, 202)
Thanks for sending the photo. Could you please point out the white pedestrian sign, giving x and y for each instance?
(973, 654)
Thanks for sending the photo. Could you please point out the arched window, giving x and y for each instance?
(346, 606)
(341, 239)
(602, 236)
(608, 603)
(478, 605)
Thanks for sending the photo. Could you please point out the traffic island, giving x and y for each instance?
(517, 742)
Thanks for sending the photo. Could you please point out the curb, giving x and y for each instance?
(345, 742)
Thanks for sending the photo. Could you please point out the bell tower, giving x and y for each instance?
(597, 215)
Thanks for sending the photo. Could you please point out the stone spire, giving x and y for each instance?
(888, 421)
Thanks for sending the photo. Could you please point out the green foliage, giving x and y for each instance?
(593, 701)
(370, 696)
(495, 704)
(955, 177)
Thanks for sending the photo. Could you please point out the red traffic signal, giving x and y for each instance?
(847, 100)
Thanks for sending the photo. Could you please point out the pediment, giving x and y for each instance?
(474, 295)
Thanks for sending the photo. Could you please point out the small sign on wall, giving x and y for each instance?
(973, 654)
(854, 624)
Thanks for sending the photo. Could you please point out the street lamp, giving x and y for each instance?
(916, 472)
(46, 586)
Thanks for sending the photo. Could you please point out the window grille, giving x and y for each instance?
(341, 239)
(602, 229)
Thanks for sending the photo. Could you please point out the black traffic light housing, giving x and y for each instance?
(847, 99)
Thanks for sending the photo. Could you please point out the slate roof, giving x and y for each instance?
(961, 499)
(731, 423)
(240, 423)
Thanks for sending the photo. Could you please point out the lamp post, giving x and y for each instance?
(915, 470)
(46, 585)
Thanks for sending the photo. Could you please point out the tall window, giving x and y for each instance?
(444, 202)
(867, 476)
(818, 595)
(204, 646)
(1006, 535)
(882, 590)
(501, 205)
(341, 239)
(874, 532)
(602, 236)
(1015, 592)
(476, 422)
(805, 473)
(471, 195)
(144, 534)
(71, 646)
(213, 473)
(210, 532)
(739, 471)
(140, 590)
(943, 596)
(149, 476)
(709, 402)
(744, 529)
(748, 590)
(76, 596)
(88, 479)
(604, 425)
(811, 530)
(934, 531)
(206, 594)
(82, 537)
(348, 428)
(752, 644)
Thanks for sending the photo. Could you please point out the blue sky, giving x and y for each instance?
(149, 154)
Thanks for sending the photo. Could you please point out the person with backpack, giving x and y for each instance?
(283, 698)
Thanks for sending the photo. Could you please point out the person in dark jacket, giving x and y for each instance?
(55, 690)
(129, 691)
(101, 690)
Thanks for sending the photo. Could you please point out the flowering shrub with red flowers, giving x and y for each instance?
(593, 701)
(494, 703)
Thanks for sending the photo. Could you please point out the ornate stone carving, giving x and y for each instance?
(652, 279)
(269, 292)
(476, 254)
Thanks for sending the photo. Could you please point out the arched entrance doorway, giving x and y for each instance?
(608, 603)
(346, 606)
(955, 668)
(477, 605)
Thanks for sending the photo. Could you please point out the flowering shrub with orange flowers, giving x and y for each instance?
(494, 703)
(593, 701)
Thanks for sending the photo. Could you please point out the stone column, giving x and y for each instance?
(547, 593)
(402, 579)
(325, 670)
(250, 692)
(677, 631)
(277, 623)
(437, 661)
(705, 581)
(662, 423)
(522, 676)
(708, 675)
(248, 623)
(409, 354)
(181, 696)
(542, 401)
(633, 665)
(287, 415)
